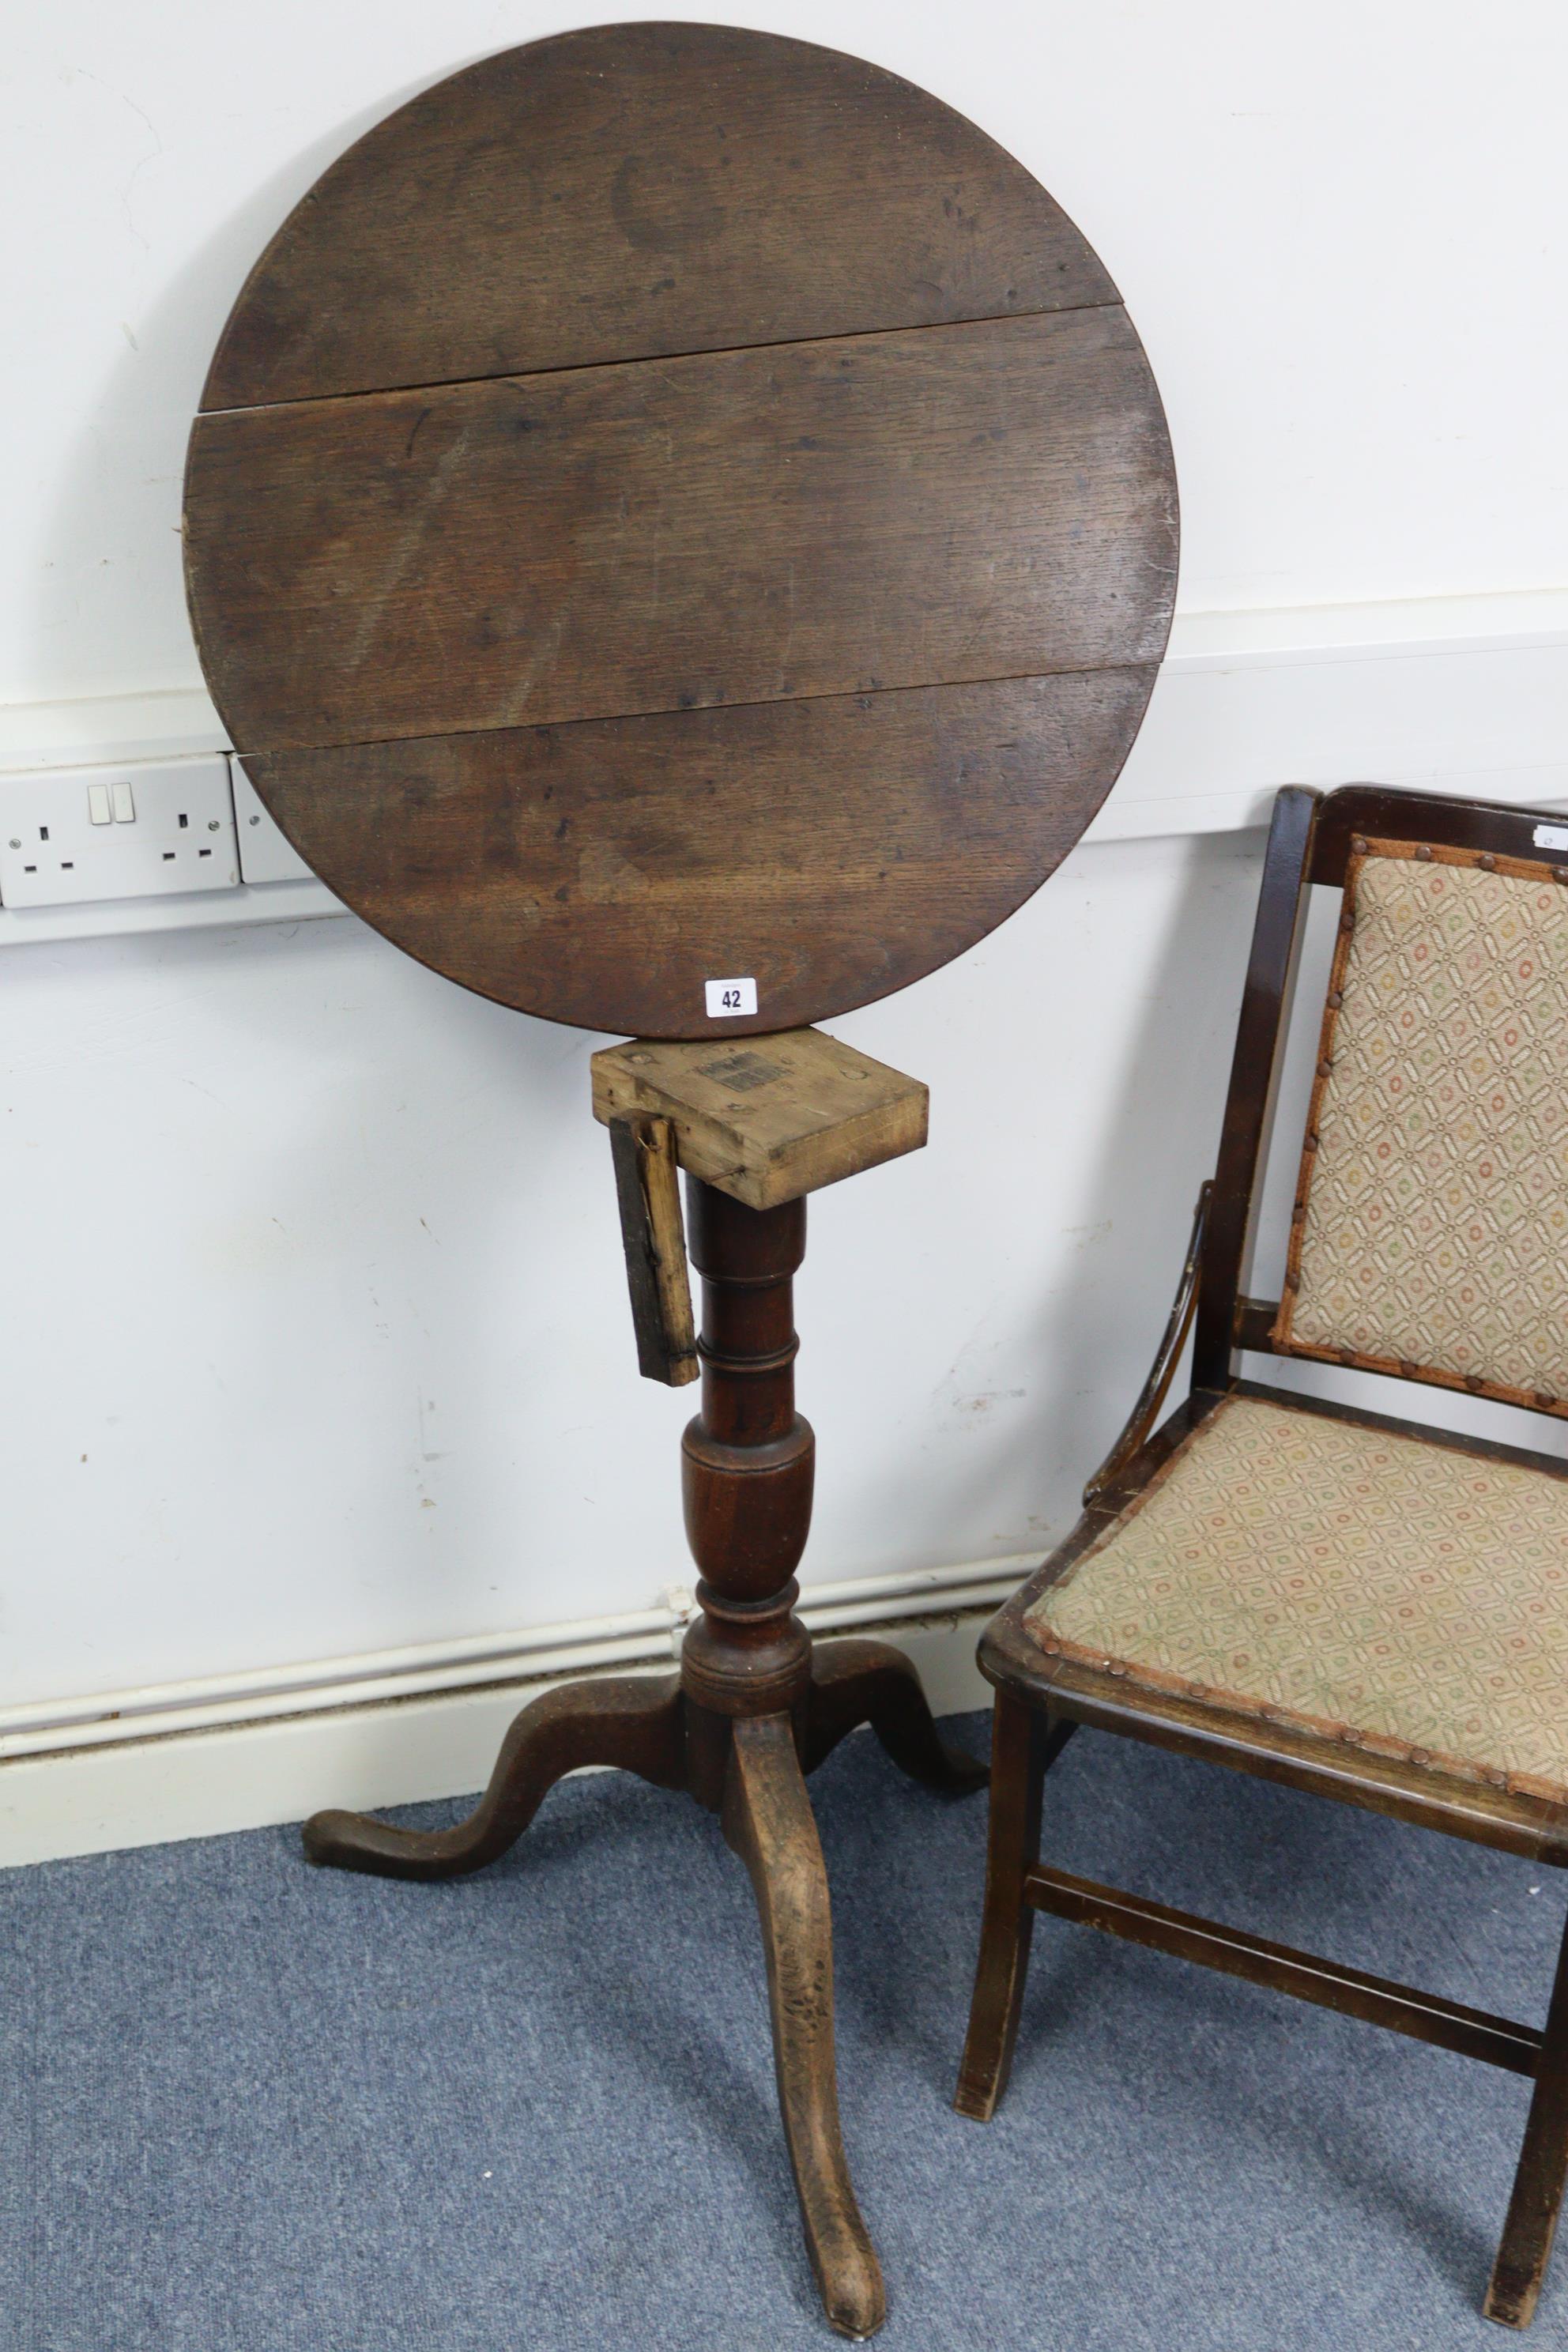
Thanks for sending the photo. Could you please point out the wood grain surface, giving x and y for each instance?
(764, 1123)
(634, 190)
(674, 503)
(831, 850)
(973, 502)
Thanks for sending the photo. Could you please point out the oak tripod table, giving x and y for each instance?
(681, 530)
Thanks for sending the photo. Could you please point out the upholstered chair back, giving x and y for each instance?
(1430, 1230)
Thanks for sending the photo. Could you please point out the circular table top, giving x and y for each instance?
(678, 506)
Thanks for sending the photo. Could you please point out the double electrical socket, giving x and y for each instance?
(152, 829)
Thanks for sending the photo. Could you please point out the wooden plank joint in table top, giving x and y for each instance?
(963, 502)
(832, 848)
(627, 358)
(635, 191)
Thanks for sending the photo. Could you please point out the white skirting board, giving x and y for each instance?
(275, 1765)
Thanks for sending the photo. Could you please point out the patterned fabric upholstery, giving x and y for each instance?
(1346, 1581)
(1431, 1232)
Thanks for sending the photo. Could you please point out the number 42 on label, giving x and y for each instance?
(728, 997)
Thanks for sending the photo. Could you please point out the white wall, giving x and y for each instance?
(1340, 229)
(315, 1339)
(322, 1260)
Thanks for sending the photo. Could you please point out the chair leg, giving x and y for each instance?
(1526, 2247)
(1022, 1748)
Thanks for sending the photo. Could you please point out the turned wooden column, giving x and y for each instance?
(747, 1465)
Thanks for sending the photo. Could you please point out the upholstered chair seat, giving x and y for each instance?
(1406, 1597)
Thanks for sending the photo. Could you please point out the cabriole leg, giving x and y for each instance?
(768, 1821)
(855, 1682)
(635, 1723)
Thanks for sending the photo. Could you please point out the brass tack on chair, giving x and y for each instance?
(1560, 873)
(1424, 851)
(1487, 862)
(1407, 1367)
(1545, 1402)
(1324, 1066)
(1358, 845)
(1335, 999)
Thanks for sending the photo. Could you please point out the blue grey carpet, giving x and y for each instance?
(256, 2106)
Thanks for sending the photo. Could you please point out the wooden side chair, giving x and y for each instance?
(1364, 1607)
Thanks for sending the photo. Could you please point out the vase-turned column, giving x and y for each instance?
(747, 1463)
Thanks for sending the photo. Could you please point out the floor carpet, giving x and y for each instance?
(256, 2106)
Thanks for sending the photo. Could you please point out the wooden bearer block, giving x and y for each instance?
(655, 1238)
(766, 1119)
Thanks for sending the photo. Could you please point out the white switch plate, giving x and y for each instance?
(265, 854)
(56, 851)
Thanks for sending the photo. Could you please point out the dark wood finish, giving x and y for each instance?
(815, 518)
(632, 1722)
(603, 872)
(1254, 1076)
(1472, 2032)
(1309, 844)
(1168, 1355)
(1537, 2198)
(654, 1239)
(1393, 814)
(638, 191)
(751, 1711)
(748, 1460)
(1018, 1737)
(1253, 1325)
(766, 1123)
(768, 1821)
(676, 504)
(857, 1681)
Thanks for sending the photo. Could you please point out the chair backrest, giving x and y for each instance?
(1429, 1236)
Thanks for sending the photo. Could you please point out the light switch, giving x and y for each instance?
(124, 806)
(98, 804)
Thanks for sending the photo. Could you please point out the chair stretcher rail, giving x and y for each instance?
(1473, 2033)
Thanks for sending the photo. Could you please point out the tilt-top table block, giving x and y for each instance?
(755, 1706)
(768, 1122)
